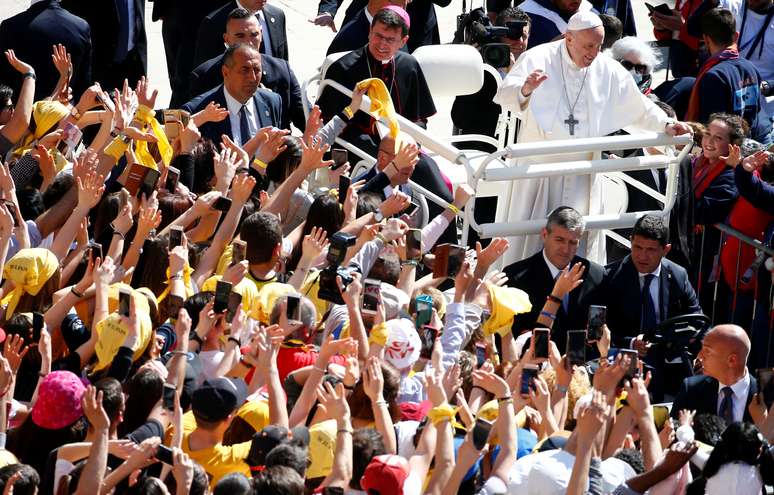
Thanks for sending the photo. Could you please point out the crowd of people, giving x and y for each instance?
(209, 297)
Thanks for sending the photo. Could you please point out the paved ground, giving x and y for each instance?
(307, 43)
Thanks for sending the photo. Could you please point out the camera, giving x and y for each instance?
(476, 28)
(337, 252)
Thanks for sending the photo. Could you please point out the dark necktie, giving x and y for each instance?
(726, 410)
(244, 127)
(648, 307)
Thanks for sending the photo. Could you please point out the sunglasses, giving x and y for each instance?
(641, 68)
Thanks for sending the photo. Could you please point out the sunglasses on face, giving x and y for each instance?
(641, 68)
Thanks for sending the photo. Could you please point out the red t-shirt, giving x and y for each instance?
(292, 357)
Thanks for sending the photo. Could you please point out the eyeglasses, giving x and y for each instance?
(641, 68)
(385, 39)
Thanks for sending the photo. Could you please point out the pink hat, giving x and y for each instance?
(402, 13)
(59, 400)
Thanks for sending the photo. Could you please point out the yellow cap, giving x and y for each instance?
(256, 413)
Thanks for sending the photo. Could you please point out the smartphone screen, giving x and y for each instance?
(634, 365)
(123, 302)
(372, 292)
(12, 210)
(339, 157)
(412, 208)
(293, 308)
(456, 258)
(37, 322)
(597, 318)
(175, 237)
(238, 251)
(481, 433)
(222, 292)
(173, 177)
(344, 182)
(766, 385)
(428, 336)
(234, 300)
(576, 347)
(222, 204)
(480, 355)
(424, 305)
(174, 305)
(149, 183)
(541, 336)
(95, 249)
(414, 244)
(528, 374)
(169, 397)
(164, 454)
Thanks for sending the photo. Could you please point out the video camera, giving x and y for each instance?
(475, 27)
(337, 252)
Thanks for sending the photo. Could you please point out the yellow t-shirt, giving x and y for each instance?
(220, 460)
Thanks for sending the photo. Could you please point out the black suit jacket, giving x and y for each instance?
(700, 393)
(32, 33)
(209, 40)
(268, 107)
(533, 277)
(276, 76)
(102, 16)
(622, 295)
(353, 35)
(376, 182)
(424, 23)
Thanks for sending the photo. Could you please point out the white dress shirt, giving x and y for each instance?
(234, 107)
(654, 292)
(551, 267)
(741, 390)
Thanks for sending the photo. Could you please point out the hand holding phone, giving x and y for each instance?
(428, 336)
(372, 294)
(528, 375)
(540, 336)
(339, 157)
(344, 183)
(293, 308)
(123, 302)
(481, 433)
(222, 293)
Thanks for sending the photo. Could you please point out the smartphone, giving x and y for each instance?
(174, 305)
(528, 374)
(372, 293)
(164, 454)
(222, 292)
(37, 322)
(293, 308)
(597, 318)
(541, 336)
(481, 433)
(95, 251)
(427, 335)
(12, 210)
(123, 302)
(234, 300)
(634, 365)
(339, 157)
(576, 347)
(448, 260)
(173, 177)
(480, 355)
(424, 305)
(169, 396)
(238, 249)
(344, 182)
(175, 237)
(149, 183)
(412, 208)
(766, 385)
(222, 204)
(414, 245)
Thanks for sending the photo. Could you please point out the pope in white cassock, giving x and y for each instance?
(564, 90)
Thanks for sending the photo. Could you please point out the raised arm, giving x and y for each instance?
(17, 127)
(334, 402)
(94, 471)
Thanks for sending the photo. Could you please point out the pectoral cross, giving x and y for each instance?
(571, 124)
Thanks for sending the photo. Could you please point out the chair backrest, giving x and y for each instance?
(451, 70)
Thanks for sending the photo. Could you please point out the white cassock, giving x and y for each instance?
(608, 101)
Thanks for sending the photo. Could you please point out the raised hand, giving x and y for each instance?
(6, 222)
(148, 219)
(756, 161)
(103, 272)
(395, 203)
(90, 189)
(463, 281)
(14, 351)
(313, 124)
(593, 417)
(312, 157)
(373, 379)
(334, 401)
(487, 256)
(734, 157)
(145, 96)
(314, 243)
(213, 113)
(271, 142)
(242, 158)
(241, 188)
(62, 61)
(407, 156)
(324, 19)
(569, 279)
(182, 470)
(92, 409)
(534, 80)
(17, 64)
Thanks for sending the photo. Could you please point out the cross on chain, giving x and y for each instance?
(571, 122)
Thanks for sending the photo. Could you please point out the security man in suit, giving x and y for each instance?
(643, 289)
(250, 108)
(33, 33)
(725, 388)
(537, 274)
(243, 27)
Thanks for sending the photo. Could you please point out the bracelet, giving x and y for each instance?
(176, 276)
(550, 316)
(321, 370)
(178, 353)
(553, 298)
(409, 262)
(76, 293)
(348, 112)
(348, 387)
(30, 74)
(454, 209)
(381, 402)
(245, 363)
(234, 340)
(344, 430)
(42, 375)
(562, 389)
(260, 163)
(75, 113)
(479, 387)
(119, 234)
(394, 165)
(501, 400)
(442, 413)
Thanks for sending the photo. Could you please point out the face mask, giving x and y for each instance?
(636, 75)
